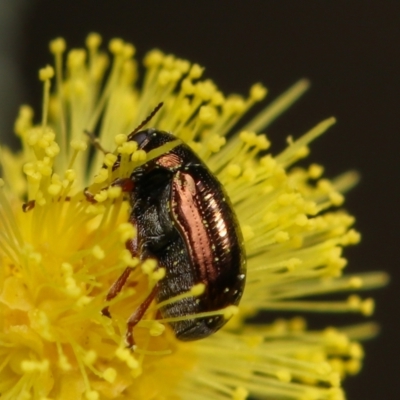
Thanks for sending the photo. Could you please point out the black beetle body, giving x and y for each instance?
(185, 221)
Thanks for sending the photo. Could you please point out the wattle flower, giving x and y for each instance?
(60, 253)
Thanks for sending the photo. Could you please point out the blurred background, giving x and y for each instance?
(349, 51)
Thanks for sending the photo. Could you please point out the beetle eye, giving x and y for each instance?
(141, 138)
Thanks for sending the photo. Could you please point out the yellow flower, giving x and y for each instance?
(60, 252)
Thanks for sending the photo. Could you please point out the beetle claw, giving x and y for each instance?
(106, 312)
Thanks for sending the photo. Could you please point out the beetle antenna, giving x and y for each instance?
(147, 120)
(95, 141)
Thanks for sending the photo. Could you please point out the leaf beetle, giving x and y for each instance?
(184, 221)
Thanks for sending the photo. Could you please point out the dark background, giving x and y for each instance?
(350, 52)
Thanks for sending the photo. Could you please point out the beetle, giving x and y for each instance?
(186, 222)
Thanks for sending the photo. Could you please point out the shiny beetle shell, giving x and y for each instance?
(186, 222)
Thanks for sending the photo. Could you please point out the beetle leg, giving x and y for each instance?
(95, 142)
(89, 196)
(28, 205)
(116, 288)
(137, 315)
(125, 184)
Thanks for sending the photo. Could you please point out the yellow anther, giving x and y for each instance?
(84, 301)
(102, 176)
(128, 147)
(24, 120)
(301, 220)
(234, 105)
(126, 257)
(205, 90)
(122, 353)
(149, 266)
(127, 231)
(196, 71)
(95, 209)
(208, 114)
(198, 289)
(353, 366)
(247, 137)
(102, 196)
(281, 237)
(367, 307)
(98, 252)
(79, 88)
(46, 73)
(92, 395)
(315, 171)
(120, 139)
(325, 186)
(45, 170)
(58, 45)
(73, 290)
(310, 208)
(268, 163)
(78, 145)
(93, 41)
(297, 324)
(116, 46)
(323, 368)
(334, 379)
(76, 58)
(355, 282)
(175, 75)
(303, 152)
(109, 159)
(215, 143)
(356, 350)
(158, 274)
(156, 329)
(63, 363)
(280, 325)
(153, 58)
(184, 110)
(182, 65)
(54, 189)
(132, 363)
(169, 61)
(187, 86)
(28, 366)
(90, 357)
(110, 375)
(336, 198)
(217, 99)
(230, 311)
(262, 142)
(258, 92)
(70, 175)
(233, 170)
(138, 156)
(128, 50)
(125, 355)
(351, 237)
(114, 192)
(164, 77)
